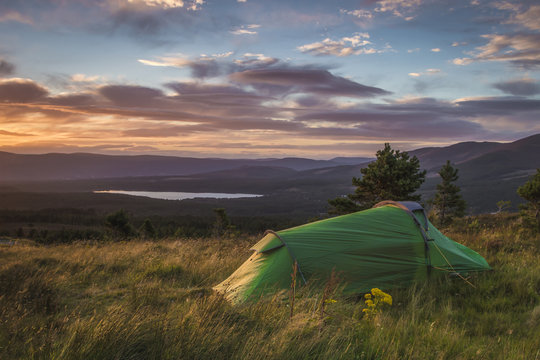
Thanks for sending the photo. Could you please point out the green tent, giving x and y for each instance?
(389, 245)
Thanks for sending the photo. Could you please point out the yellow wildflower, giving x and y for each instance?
(375, 301)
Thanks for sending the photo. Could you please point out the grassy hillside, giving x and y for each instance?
(153, 300)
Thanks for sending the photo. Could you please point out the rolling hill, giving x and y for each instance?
(55, 166)
(489, 172)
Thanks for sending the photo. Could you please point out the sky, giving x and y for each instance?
(257, 79)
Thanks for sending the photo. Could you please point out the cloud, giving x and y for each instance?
(359, 13)
(361, 17)
(417, 117)
(129, 95)
(246, 30)
(210, 94)
(521, 87)
(300, 104)
(222, 55)
(156, 22)
(145, 19)
(42, 147)
(82, 78)
(436, 50)
(497, 105)
(170, 61)
(16, 90)
(243, 32)
(170, 4)
(462, 61)
(400, 8)
(426, 72)
(196, 5)
(214, 65)
(163, 131)
(12, 15)
(393, 122)
(204, 66)
(520, 49)
(346, 46)
(75, 100)
(529, 18)
(298, 80)
(10, 133)
(311, 101)
(506, 5)
(139, 23)
(161, 3)
(250, 60)
(6, 68)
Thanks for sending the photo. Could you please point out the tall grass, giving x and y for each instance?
(153, 300)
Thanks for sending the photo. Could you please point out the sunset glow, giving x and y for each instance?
(265, 78)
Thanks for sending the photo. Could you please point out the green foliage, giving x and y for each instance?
(343, 205)
(67, 225)
(394, 175)
(119, 223)
(448, 203)
(503, 205)
(222, 225)
(147, 229)
(530, 211)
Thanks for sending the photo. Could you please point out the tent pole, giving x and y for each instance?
(290, 252)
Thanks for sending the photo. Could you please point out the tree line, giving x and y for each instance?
(394, 175)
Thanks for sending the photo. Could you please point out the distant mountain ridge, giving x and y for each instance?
(474, 159)
(478, 159)
(77, 166)
(458, 153)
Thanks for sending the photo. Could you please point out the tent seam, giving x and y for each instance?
(417, 223)
(290, 251)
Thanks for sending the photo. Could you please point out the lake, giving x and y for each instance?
(173, 195)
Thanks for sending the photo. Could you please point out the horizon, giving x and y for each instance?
(251, 79)
(257, 158)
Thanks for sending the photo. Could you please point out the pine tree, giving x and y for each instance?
(448, 203)
(530, 212)
(222, 225)
(119, 223)
(147, 229)
(394, 175)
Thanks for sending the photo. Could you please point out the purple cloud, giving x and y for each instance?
(522, 87)
(129, 95)
(6, 68)
(21, 91)
(298, 80)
